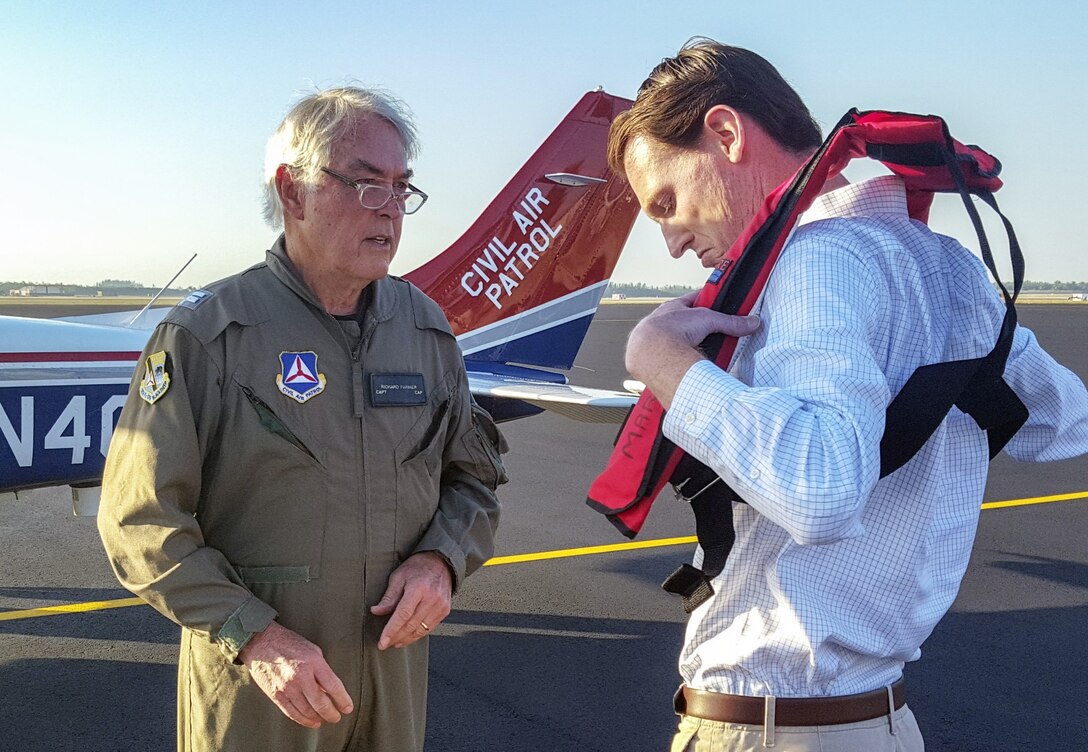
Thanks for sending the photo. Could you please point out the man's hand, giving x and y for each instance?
(418, 597)
(664, 345)
(292, 671)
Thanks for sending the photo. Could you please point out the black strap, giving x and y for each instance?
(711, 500)
(976, 386)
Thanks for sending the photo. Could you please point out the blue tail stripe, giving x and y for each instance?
(552, 348)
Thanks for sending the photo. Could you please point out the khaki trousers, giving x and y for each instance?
(874, 735)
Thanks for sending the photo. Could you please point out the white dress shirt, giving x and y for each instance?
(837, 577)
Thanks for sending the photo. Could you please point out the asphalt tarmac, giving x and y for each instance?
(578, 652)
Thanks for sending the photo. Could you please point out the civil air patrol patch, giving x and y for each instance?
(156, 380)
(298, 377)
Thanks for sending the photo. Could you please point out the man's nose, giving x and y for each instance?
(677, 241)
(392, 208)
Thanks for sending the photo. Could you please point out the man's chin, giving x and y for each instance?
(366, 274)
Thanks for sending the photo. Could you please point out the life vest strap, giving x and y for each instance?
(976, 386)
(693, 585)
(711, 500)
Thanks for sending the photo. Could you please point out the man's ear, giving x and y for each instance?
(723, 124)
(291, 193)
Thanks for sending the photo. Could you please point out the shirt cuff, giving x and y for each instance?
(698, 401)
(438, 541)
(251, 617)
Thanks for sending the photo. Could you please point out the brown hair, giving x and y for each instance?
(671, 103)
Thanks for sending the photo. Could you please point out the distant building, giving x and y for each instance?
(35, 290)
(619, 296)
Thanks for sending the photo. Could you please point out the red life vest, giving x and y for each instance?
(919, 150)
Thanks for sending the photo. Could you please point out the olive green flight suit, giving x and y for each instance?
(227, 502)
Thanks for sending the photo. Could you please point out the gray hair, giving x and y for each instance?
(306, 136)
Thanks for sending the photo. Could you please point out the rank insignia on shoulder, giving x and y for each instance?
(195, 298)
(156, 380)
(298, 377)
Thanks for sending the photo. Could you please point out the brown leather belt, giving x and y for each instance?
(788, 711)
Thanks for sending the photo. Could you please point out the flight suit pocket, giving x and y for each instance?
(255, 575)
(272, 422)
(486, 445)
(286, 589)
(271, 472)
(418, 459)
(428, 448)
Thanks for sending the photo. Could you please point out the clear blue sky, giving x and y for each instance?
(133, 133)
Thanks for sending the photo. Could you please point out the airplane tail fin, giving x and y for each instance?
(521, 285)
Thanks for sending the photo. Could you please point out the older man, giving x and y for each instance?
(300, 477)
(836, 577)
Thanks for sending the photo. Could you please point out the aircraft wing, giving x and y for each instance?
(144, 321)
(575, 402)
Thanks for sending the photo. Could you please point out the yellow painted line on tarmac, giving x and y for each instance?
(69, 608)
(587, 551)
(611, 548)
(1036, 500)
(565, 553)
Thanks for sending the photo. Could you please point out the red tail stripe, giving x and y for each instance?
(67, 357)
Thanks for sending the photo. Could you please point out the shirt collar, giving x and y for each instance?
(880, 195)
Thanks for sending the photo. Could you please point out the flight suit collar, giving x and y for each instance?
(383, 296)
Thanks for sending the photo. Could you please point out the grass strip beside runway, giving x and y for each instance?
(566, 553)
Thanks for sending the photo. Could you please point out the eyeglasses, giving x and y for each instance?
(375, 196)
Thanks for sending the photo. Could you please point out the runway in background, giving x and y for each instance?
(577, 652)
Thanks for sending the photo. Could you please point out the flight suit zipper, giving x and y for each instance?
(358, 393)
(358, 404)
(272, 422)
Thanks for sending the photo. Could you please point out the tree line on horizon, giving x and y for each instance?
(643, 290)
(630, 289)
(106, 287)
